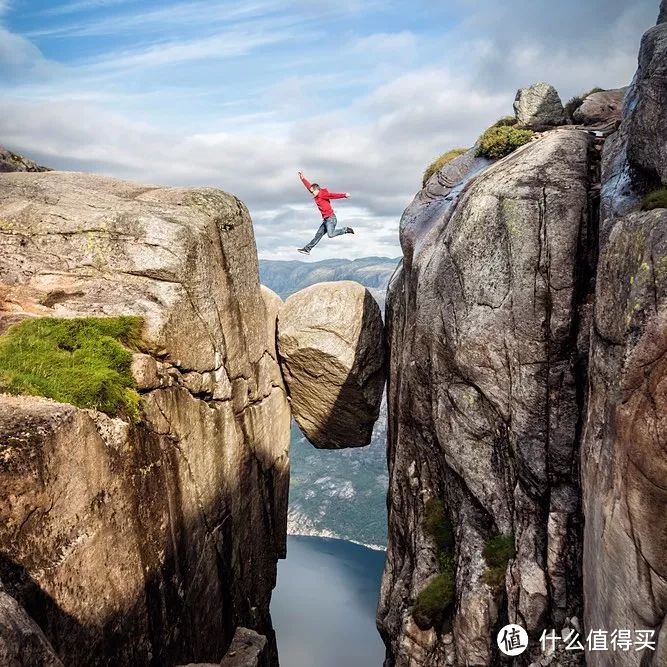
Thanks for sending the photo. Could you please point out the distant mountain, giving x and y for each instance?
(10, 161)
(287, 277)
(337, 493)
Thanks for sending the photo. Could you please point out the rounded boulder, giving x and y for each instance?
(332, 354)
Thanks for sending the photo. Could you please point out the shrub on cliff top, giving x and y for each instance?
(438, 164)
(655, 199)
(497, 142)
(497, 553)
(506, 121)
(82, 361)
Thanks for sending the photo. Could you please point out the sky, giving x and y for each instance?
(241, 94)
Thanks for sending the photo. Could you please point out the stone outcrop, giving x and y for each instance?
(527, 391)
(635, 157)
(624, 459)
(13, 162)
(21, 640)
(486, 325)
(247, 650)
(602, 108)
(331, 347)
(624, 462)
(539, 106)
(147, 542)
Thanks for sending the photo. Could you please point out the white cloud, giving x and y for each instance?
(399, 100)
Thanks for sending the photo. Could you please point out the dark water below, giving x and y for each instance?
(323, 608)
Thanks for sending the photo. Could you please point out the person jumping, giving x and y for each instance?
(323, 199)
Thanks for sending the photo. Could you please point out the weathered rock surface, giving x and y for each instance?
(487, 331)
(603, 108)
(13, 162)
(331, 346)
(539, 106)
(528, 337)
(635, 157)
(624, 457)
(624, 460)
(21, 640)
(247, 650)
(150, 542)
(646, 117)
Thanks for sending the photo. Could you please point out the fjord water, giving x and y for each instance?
(323, 608)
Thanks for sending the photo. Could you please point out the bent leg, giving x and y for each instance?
(331, 227)
(316, 239)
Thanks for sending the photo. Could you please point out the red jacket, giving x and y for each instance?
(323, 197)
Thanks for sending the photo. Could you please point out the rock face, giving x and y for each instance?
(539, 106)
(21, 640)
(331, 346)
(634, 159)
(645, 119)
(247, 650)
(132, 543)
(624, 461)
(528, 338)
(624, 458)
(486, 330)
(13, 162)
(603, 108)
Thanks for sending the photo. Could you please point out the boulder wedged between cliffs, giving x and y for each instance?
(331, 347)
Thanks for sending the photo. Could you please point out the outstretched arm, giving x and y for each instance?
(338, 195)
(304, 180)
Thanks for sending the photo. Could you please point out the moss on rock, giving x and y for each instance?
(655, 199)
(497, 553)
(82, 361)
(438, 164)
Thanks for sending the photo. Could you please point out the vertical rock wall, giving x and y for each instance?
(144, 543)
(624, 474)
(527, 393)
(488, 337)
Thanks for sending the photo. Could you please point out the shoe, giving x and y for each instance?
(303, 251)
(350, 230)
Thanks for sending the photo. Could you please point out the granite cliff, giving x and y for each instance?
(526, 389)
(149, 541)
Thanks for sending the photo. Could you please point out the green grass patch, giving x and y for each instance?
(497, 142)
(438, 164)
(575, 102)
(655, 199)
(505, 121)
(434, 600)
(436, 524)
(497, 553)
(82, 361)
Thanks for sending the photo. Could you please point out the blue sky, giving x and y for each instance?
(240, 95)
